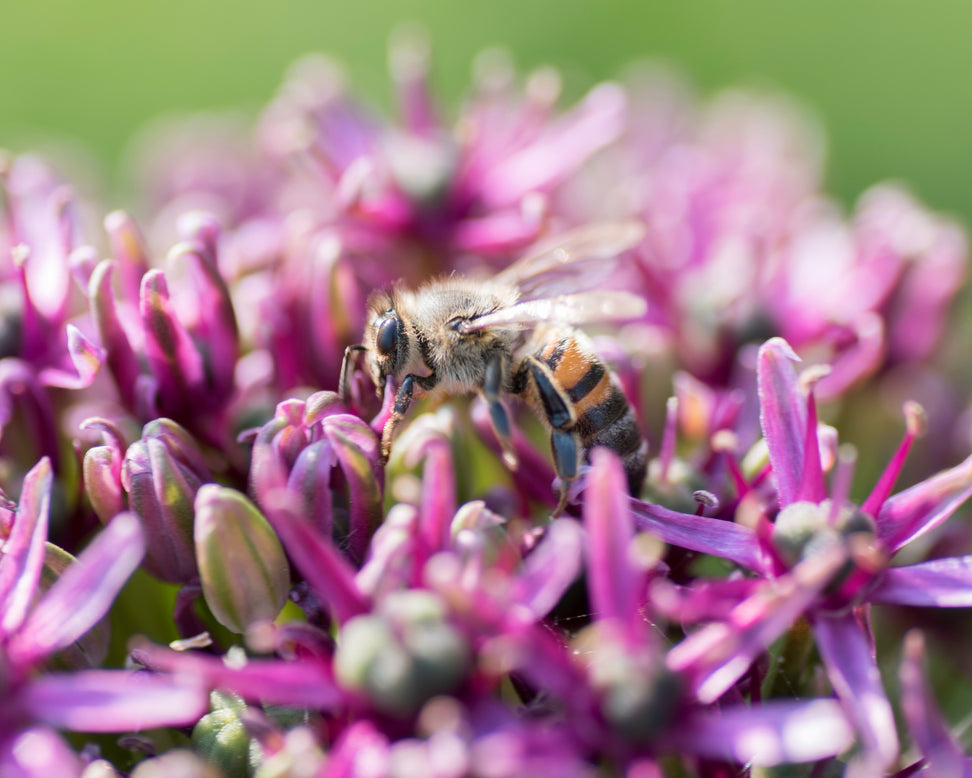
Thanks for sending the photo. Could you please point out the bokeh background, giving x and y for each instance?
(887, 77)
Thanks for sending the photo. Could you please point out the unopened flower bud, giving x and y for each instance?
(245, 575)
(221, 738)
(404, 654)
(162, 473)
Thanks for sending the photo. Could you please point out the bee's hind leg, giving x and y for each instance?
(492, 392)
(563, 438)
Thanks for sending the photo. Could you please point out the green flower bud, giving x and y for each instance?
(404, 654)
(221, 738)
(245, 576)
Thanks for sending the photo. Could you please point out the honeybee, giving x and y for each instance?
(516, 334)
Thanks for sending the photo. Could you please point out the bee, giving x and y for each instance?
(516, 334)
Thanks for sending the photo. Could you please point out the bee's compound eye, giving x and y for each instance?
(387, 340)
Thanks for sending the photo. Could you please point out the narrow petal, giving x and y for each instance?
(171, 354)
(940, 583)
(719, 654)
(121, 359)
(86, 359)
(85, 592)
(564, 145)
(850, 364)
(766, 735)
(320, 562)
(913, 512)
(924, 719)
(213, 321)
(724, 539)
(365, 493)
(850, 664)
(23, 551)
(298, 683)
(611, 578)
(550, 568)
(38, 752)
(114, 701)
(782, 415)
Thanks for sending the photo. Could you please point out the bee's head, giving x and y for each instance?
(386, 338)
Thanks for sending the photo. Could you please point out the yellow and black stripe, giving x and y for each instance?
(601, 413)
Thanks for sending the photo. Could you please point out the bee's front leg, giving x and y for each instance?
(403, 399)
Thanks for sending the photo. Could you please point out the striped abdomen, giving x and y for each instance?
(600, 412)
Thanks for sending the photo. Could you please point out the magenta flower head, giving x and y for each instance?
(477, 187)
(157, 477)
(31, 631)
(822, 558)
(40, 347)
(169, 354)
(324, 464)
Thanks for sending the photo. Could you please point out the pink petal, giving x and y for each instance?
(940, 583)
(910, 514)
(114, 701)
(85, 591)
(782, 416)
(23, 551)
(851, 667)
(765, 735)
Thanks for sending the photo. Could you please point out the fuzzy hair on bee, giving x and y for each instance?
(426, 326)
(516, 334)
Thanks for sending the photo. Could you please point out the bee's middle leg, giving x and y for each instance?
(403, 399)
(492, 392)
(563, 438)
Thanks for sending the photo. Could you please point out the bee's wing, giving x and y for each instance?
(579, 308)
(578, 260)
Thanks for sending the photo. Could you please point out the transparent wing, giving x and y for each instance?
(578, 260)
(579, 308)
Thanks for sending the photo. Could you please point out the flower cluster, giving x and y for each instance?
(207, 549)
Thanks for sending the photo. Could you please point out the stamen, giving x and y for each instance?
(705, 500)
(914, 427)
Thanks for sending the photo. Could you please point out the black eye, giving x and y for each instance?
(387, 340)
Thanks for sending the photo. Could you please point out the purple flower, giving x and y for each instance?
(157, 477)
(40, 345)
(822, 558)
(169, 353)
(85, 701)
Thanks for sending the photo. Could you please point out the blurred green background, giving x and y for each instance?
(884, 75)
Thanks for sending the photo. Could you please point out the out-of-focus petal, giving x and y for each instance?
(924, 719)
(940, 583)
(38, 752)
(23, 551)
(319, 561)
(719, 654)
(550, 568)
(85, 592)
(114, 701)
(913, 512)
(611, 577)
(724, 539)
(766, 735)
(850, 664)
(301, 684)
